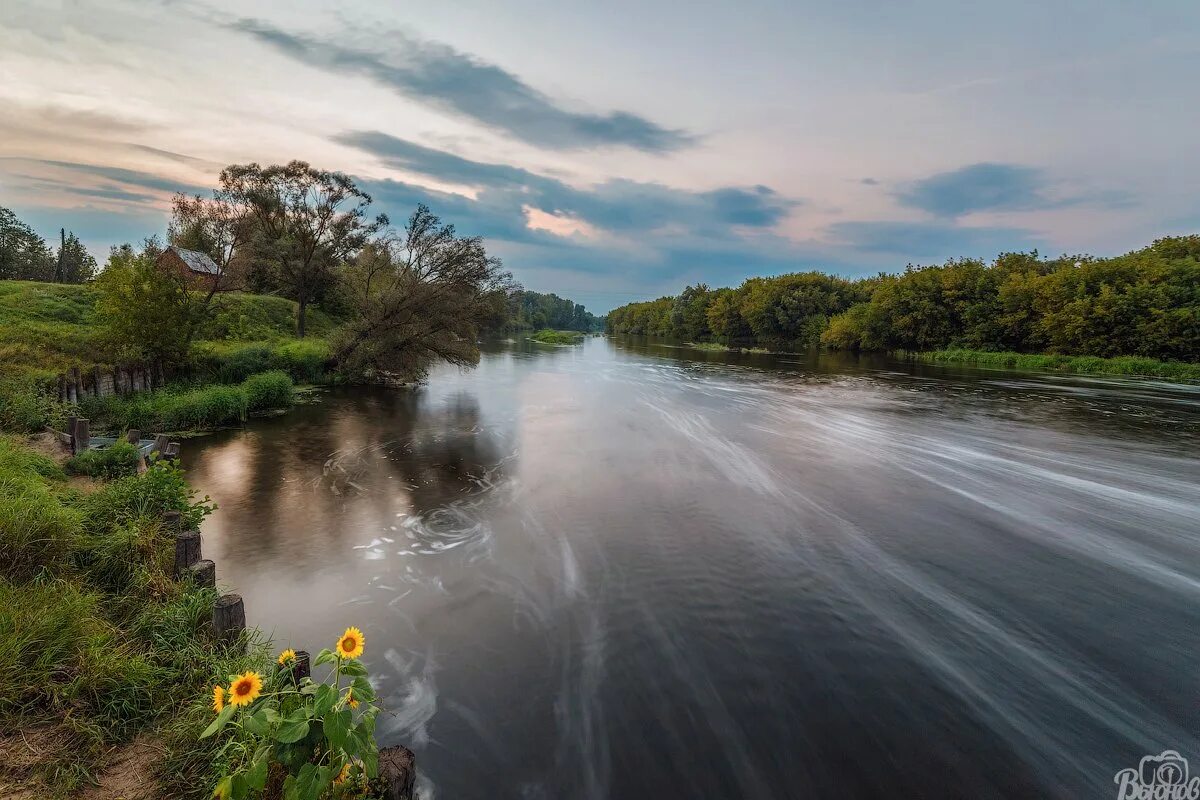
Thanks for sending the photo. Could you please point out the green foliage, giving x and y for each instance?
(37, 531)
(305, 360)
(115, 461)
(1144, 304)
(143, 310)
(557, 337)
(1121, 365)
(159, 489)
(26, 404)
(269, 390)
(322, 733)
(23, 254)
(249, 317)
(523, 310)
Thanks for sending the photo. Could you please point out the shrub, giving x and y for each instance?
(241, 364)
(198, 409)
(159, 489)
(304, 360)
(116, 461)
(269, 390)
(26, 405)
(557, 337)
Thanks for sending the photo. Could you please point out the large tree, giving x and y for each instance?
(307, 223)
(23, 254)
(418, 296)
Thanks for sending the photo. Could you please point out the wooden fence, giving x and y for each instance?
(96, 381)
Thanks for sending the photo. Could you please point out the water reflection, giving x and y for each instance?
(633, 570)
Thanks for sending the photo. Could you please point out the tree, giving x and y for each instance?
(417, 296)
(307, 223)
(75, 263)
(23, 254)
(222, 228)
(141, 308)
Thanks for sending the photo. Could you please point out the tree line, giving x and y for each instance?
(25, 256)
(523, 310)
(1143, 303)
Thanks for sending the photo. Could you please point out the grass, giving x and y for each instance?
(1122, 365)
(116, 461)
(181, 409)
(97, 642)
(557, 337)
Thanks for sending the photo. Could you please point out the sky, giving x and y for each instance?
(613, 152)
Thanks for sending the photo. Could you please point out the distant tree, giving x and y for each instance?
(307, 223)
(23, 254)
(417, 296)
(74, 263)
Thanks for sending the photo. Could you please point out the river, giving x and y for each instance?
(635, 571)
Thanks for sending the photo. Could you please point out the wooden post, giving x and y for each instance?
(187, 551)
(398, 769)
(77, 382)
(301, 667)
(72, 390)
(172, 450)
(204, 573)
(83, 436)
(229, 616)
(133, 436)
(160, 445)
(174, 522)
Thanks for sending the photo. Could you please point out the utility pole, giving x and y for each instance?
(60, 270)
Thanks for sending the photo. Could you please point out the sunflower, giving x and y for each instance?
(286, 656)
(218, 698)
(351, 644)
(245, 689)
(350, 701)
(343, 775)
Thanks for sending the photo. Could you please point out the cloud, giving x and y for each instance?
(131, 177)
(467, 86)
(931, 240)
(997, 187)
(617, 204)
(869, 182)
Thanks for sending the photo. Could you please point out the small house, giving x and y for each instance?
(189, 263)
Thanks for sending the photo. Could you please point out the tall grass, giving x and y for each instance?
(96, 640)
(1122, 365)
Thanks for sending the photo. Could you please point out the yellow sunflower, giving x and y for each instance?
(343, 775)
(351, 644)
(286, 656)
(350, 701)
(218, 698)
(245, 689)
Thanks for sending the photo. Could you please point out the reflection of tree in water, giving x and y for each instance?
(441, 458)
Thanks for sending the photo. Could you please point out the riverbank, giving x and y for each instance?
(100, 646)
(557, 337)
(1090, 365)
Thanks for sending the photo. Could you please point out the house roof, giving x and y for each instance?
(196, 261)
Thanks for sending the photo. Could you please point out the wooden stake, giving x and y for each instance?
(204, 573)
(398, 769)
(187, 551)
(229, 616)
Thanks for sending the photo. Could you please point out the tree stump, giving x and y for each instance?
(398, 769)
(204, 573)
(187, 551)
(174, 521)
(229, 616)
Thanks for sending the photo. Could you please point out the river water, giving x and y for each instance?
(630, 570)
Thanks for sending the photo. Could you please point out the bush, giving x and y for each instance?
(117, 461)
(303, 359)
(26, 404)
(210, 407)
(36, 530)
(269, 390)
(557, 337)
(160, 489)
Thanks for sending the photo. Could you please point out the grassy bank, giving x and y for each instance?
(557, 337)
(47, 328)
(98, 644)
(1124, 365)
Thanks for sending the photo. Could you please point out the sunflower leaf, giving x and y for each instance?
(256, 776)
(291, 730)
(354, 668)
(363, 690)
(326, 697)
(337, 727)
(218, 723)
(324, 657)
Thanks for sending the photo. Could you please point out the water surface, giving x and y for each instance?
(629, 570)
